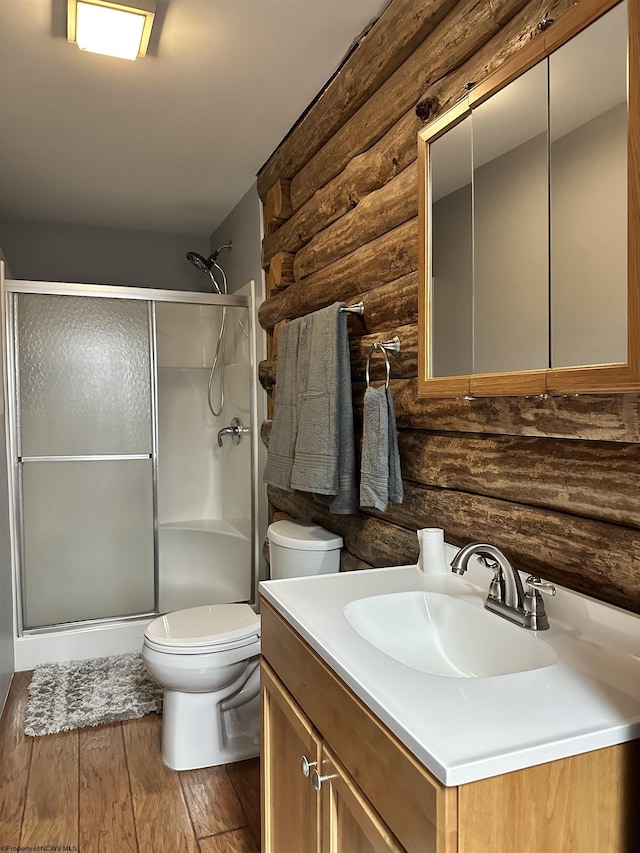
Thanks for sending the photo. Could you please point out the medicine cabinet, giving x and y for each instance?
(529, 218)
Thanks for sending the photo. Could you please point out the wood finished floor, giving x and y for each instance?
(106, 790)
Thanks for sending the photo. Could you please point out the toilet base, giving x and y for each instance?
(198, 732)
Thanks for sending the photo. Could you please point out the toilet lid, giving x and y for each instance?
(213, 624)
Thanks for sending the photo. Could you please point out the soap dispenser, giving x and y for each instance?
(431, 559)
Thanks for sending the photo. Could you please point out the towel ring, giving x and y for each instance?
(385, 347)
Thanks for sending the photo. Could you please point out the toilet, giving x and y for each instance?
(207, 659)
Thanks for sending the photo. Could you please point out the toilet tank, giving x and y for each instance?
(300, 550)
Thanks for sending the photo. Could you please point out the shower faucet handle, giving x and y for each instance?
(236, 431)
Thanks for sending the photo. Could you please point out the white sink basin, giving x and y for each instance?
(443, 635)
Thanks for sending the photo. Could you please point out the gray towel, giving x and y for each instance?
(324, 457)
(374, 470)
(380, 476)
(285, 416)
(396, 489)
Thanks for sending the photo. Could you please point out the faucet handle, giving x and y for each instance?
(534, 583)
(535, 616)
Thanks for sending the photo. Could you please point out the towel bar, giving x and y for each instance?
(358, 308)
(385, 347)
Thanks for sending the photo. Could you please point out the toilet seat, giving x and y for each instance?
(202, 630)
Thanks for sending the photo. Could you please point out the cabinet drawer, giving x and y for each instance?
(420, 811)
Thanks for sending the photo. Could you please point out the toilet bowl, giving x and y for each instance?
(207, 660)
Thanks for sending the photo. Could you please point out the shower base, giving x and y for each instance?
(82, 643)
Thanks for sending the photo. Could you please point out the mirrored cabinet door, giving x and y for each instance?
(452, 252)
(545, 294)
(510, 227)
(588, 195)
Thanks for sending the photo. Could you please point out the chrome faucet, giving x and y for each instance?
(236, 431)
(506, 596)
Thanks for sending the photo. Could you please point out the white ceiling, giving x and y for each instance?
(169, 143)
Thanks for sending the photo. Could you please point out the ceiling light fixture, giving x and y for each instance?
(113, 29)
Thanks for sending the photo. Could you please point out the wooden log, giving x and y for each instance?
(274, 338)
(384, 259)
(280, 273)
(518, 33)
(350, 563)
(365, 173)
(608, 418)
(594, 417)
(376, 542)
(267, 374)
(397, 149)
(396, 34)
(592, 557)
(403, 364)
(277, 208)
(390, 305)
(463, 32)
(602, 560)
(598, 480)
(265, 432)
(377, 213)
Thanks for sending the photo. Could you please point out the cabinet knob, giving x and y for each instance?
(306, 765)
(317, 779)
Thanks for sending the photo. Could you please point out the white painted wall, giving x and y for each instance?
(48, 251)
(6, 587)
(244, 228)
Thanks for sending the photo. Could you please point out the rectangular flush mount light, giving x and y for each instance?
(113, 29)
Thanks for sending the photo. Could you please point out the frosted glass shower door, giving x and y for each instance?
(83, 388)
(204, 489)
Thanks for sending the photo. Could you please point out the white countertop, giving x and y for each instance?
(465, 729)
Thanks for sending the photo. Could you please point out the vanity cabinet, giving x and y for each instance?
(311, 802)
(375, 796)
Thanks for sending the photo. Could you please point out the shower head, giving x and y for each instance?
(206, 264)
(201, 263)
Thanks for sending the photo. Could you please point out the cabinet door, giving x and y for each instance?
(349, 823)
(291, 807)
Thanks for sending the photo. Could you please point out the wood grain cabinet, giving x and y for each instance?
(374, 796)
(311, 802)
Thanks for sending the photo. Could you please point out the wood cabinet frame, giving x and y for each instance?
(554, 380)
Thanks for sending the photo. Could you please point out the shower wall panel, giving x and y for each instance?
(204, 490)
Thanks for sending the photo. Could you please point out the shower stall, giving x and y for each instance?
(129, 496)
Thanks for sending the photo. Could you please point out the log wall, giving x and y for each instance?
(553, 481)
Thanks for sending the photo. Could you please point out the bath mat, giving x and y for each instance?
(80, 693)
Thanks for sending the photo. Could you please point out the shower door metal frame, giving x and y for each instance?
(11, 289)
